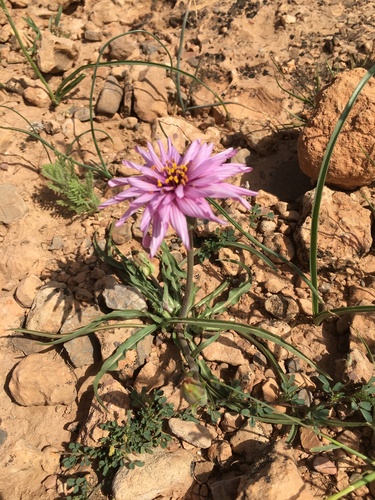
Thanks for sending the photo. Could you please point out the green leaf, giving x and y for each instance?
(245, 331)
(120, 353)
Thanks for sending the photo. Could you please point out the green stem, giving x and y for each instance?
(186, 304)
(26, 54)
(189, 277)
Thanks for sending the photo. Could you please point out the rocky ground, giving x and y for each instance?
(52, 280)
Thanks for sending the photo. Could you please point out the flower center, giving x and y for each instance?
(174, 175)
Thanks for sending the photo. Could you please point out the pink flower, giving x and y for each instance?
(174, 187)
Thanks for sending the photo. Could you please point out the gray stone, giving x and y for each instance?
(191, 432)
(281, 307)
(93, 34)
(83, 114)
(57, 243)
(122, 234)
(242, 156)
(3, 436)
(121, 297)
(110, 97)
(12, 206)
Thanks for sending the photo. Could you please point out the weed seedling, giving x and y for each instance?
(76, 195)
(210, 246)
(257, 213)
(141, 433)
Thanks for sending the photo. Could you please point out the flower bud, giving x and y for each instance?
(194, 392)
(144, 264)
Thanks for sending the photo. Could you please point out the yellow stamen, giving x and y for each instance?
(174, 175)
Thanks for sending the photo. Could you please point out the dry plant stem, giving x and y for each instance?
(185, 307)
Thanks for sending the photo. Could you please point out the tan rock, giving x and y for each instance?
(12, 206)
(281, 244)
(359, 294)
(151, 94)
(164, 474)
(56, 54)
(224, 350)
(220, 452)
(27, 289)
(270, 390)
(231, 421)
(325, 466)
(37, 97)
(251, 441)
(103, 13)
(51, 306)
(13, 315)
(359, 369)
(341, 240)
(349, 167)
(191, 432)
(42, 379)
(362, 329)
(308, 439)
(117, 403)
(230, 268)
(110, 97)
(275, 478)
(281, 307)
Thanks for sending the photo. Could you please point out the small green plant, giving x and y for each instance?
(359, 398)
(32, 50)
(141, 433)
(257, 213)
(221, 239)
(54, 25)
(80, 489)
(76, 195)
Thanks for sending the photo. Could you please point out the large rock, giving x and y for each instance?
(164, 474)
(349, 167)
(251, 441)
(12, 206)
(344, 234)
(194, 433)
(110, 97)
(276, 477)
(151, 94)
(51, 307)
(43, 380)
(224, 350)
(56, 54)
(117, 404)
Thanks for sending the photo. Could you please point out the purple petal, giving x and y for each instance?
(179, 223)
(118, 181)
(197, 208)
(160, 225)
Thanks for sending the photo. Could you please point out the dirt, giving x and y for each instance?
(245, 51)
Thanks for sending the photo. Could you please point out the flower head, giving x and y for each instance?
(172, 187)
